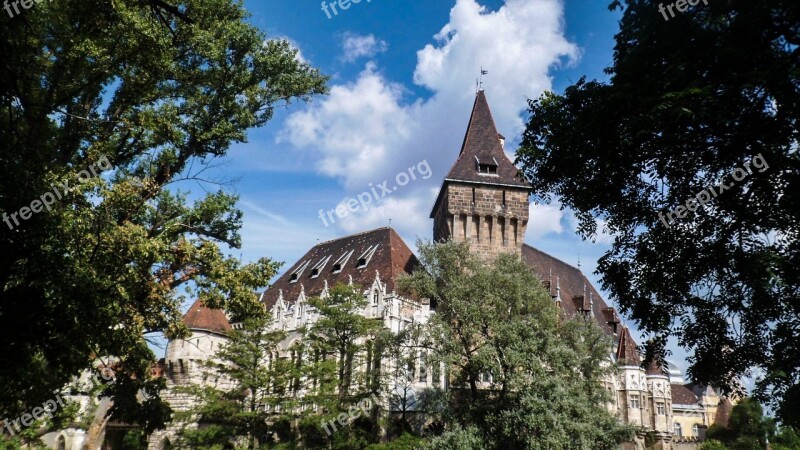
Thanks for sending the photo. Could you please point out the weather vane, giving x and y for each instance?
(479, 81)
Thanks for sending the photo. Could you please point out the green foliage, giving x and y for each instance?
(786, 439)
(690, 100)
(157, 92)
(546, 388)
(748, 428)
(711, 444)
(404, 442)
(246, 382)
(134, 440)
(458, 439)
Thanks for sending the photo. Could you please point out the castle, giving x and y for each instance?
(483, 202)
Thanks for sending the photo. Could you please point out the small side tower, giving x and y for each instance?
(483, 200)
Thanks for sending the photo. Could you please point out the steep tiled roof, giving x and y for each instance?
(573, 284)
(383, 248)
(201, 318)
(723, 415)
(627, 353)
(682, 395)
(482, 144)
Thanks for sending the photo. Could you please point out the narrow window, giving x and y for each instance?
(504, 198)
(473, 196)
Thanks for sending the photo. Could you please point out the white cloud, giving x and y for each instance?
(356, 46)
(544, 219)
(368, 130)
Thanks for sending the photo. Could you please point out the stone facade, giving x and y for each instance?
(492, 219)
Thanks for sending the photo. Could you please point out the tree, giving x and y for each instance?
(747, 429)
(248, 381)
(340, 338)
(134, 99)
(707, 98)
(521, 374)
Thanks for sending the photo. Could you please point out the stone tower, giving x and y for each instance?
(483, 200)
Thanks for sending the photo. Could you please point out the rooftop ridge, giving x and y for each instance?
(350, 236)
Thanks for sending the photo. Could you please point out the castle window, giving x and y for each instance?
(661, 410)
(473, 196)
(375, 298)
(635, 404)
(504, 198)
(696, 430)
(677, 430)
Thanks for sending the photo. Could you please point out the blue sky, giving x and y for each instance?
(402, 84)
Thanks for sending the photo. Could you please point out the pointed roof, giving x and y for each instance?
(482, 145)
(199, 317)
(655, 368)
(627, 353)
(338, 261)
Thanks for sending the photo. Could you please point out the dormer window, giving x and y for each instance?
(339, 263)
(294, 277)
(363, 260)
(488, 169)
(317, 268)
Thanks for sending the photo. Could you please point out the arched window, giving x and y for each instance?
(61, 443)
(166, 445)
(375, 298)
(678, 431)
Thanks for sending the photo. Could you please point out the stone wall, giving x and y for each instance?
(492, 219)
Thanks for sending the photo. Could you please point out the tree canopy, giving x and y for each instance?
(687, 155)
(520, 375)
(109, 110)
